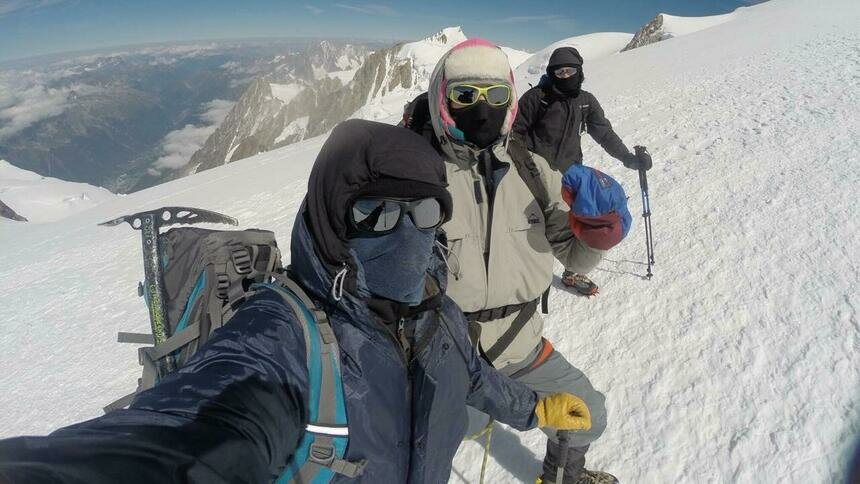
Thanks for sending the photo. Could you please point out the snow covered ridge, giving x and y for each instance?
(40, 199)
(665, 26)
(270, 115)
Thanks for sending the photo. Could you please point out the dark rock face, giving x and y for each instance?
(260, 122)
(649, 33)
(7, 212)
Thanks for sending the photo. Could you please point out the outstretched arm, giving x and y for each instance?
(601, 131)
(491, 392)
(234, 413)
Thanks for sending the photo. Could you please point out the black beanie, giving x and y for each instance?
(563, 56)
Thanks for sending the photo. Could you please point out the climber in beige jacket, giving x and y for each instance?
(503, 238)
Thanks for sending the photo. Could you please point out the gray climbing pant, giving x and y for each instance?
(585, 258)
(555, 375)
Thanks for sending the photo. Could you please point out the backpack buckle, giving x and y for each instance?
(321, 454)
(242, 260)
(222, 285)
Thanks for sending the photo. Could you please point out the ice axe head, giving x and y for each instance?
(166, 216)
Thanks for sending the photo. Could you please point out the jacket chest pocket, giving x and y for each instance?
(457, 241)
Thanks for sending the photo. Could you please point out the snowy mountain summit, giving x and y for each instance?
(449, 36)
(737, 362)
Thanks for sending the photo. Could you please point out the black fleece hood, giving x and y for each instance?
(564, 56)
(366, 158)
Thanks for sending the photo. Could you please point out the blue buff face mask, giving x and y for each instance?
(395, 265)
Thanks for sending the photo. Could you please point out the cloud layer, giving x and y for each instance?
(178, 145)
(25, 100)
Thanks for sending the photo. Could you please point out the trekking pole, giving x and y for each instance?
(563, 445)
(149, 223)
(646, 215)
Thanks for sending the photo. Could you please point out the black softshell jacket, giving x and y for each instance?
(553, 130)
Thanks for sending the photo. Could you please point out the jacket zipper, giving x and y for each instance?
(566, 127)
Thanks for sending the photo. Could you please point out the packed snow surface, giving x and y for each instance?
(738, 362)
(43, 199)
(677, 26)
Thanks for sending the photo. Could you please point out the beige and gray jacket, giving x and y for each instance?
(507, 261)
(500, 252)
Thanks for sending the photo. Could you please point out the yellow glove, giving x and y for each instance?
(563, 411)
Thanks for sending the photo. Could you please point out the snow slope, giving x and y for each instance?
(590, 47)
(674, 26)
(42, 199)
(738, 362)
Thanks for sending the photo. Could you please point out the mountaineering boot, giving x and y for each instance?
(580, 282)
(587, 477)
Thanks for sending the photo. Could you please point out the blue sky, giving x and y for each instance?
(35, 27)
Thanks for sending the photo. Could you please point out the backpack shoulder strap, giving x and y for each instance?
(545, 101)
(321, 449)
(528, 171)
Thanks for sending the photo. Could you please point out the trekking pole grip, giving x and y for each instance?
(643, 180)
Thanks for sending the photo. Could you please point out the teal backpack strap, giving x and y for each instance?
(320, 452)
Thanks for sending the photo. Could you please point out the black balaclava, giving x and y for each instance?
(480, 123)
(566, 57)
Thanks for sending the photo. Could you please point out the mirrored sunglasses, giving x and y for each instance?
(382, 215)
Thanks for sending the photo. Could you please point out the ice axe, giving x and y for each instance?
(646, 211)
(149, 223)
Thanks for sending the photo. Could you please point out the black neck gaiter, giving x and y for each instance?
(480, 123)
(570, 86)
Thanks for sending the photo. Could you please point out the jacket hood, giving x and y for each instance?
(564, 56)
(487, 63)
(359, 158)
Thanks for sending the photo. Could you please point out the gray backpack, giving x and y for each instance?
(206, 275)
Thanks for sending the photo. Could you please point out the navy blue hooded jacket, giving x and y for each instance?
(237, 410)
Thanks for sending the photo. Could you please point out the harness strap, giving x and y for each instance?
(513, 330)
(493, 314)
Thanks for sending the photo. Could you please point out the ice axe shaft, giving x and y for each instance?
(149, 223)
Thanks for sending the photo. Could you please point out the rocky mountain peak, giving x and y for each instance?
(7, 212)
(649, 33)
